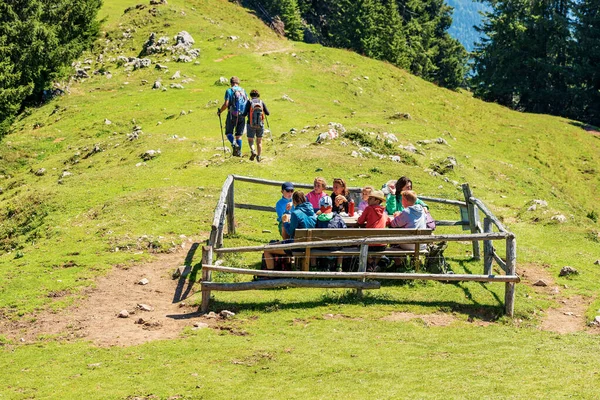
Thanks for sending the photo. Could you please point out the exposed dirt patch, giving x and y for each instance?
(96, 317)
(592, 130)
(437, 319)
(570, 315)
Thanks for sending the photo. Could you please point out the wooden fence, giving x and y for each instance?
(225, 210)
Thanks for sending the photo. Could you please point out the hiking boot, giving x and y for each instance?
(258, 158)
(252, 156)
(237, 152)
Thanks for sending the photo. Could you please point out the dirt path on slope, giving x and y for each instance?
(95, 318)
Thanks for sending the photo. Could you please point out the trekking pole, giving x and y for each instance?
(222, 136)
(271, 134)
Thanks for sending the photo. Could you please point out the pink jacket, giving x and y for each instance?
(314, 198)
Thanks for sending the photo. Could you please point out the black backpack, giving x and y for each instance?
(435, 262)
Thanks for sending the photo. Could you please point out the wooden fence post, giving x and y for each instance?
(207, 258)
(362, 264)
(488, 248)
(472, 218)
(221, 228)
(230, 209)
(511, 268)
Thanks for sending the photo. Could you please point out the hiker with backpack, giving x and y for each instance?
(255, 110)
(235, 103)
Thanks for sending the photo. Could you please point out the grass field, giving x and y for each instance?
(61, 232)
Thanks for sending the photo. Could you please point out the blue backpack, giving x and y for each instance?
(238, 102)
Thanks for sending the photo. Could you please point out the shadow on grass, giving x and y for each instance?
(189, 275)
(473, 311)
(466, 265)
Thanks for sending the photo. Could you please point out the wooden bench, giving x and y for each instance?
(321, 234)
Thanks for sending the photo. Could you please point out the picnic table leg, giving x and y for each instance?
(306, 263)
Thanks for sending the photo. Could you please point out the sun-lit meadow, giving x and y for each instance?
(61, 231)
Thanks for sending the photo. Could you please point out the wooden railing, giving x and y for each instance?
(224, 211)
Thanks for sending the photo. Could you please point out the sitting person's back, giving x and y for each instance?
(302, 216)
(412, 216)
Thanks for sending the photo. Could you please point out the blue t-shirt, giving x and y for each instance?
(280, 207)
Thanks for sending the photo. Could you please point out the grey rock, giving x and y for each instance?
(211, 315)
(401, 115)
(200, 325)
(532, 208)
(123, 314)
(561, 219)
(65, 174)
(157, 85)
(222, 81)
(176, 75)
(107, 121)
(145, 307)
(541, 203)
(150, 154)
(182, 271)
(227, 314)
(176, 86)
(597, 262)
(540, 283)
(183, 40)
(143, 281)
(566, 271)
(161, 67)
(40, 172)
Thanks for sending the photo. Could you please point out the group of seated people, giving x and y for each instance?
(316, 209)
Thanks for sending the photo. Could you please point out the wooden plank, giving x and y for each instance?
(255, 207)
(231, 209)
(361, 275)
(511, 266)
(488, 213)
(207, 258)
(472, 218)
(306, 263)
(375, 240)
(285, 283)
(222, 198)
(488, 248)
(450, 223)
(443, 201)
(302, 235)
(354, 251)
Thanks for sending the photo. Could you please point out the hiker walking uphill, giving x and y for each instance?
(255, 110)
(235, 103)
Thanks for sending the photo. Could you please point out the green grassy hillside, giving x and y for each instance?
(97, 204)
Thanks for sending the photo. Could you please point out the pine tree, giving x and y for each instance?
(587, 60)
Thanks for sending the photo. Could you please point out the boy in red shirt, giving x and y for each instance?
(374, 216)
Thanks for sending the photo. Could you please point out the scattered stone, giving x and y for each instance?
(65, 174)
(200, 325)
(541, 203)
(227, 314)
(94, 365)
(400, 115)
(81, 73)
(532, 208)
(145, 307)
(222, 81)
(540, 283)
(555, 290)
(176, 86)
(266, 231)
(176, 75)
(410, 148)
(597, 320)
(211, 315)
(182, 270)
(566, 271)
(124, 314)
(287, 98)
(40, 172)
(559, 218)
(597, 262)
(161, 67)
(107, 121)
(150, 154)
(444, 166)
(143, 281)
(157, 2)
(157, 85)
(569, 313)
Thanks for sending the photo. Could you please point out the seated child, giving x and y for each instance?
(284, 205)
(366, 191)
(389, 190)
(327, 218)
(340, 196)
(317, 193)
(374, 215)
(412, 216)
(394, 205)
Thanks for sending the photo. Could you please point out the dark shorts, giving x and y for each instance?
(234, 123)
(252, 132)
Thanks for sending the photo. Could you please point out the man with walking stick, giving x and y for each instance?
(235, 103)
